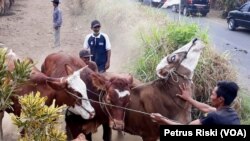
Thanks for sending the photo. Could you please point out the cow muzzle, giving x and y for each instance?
(91, 115)
(117, 124)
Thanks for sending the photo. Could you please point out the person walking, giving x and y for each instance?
(220, 114)
(99, 45)
(57, 22)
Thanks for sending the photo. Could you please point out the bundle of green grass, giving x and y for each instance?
(211, 67)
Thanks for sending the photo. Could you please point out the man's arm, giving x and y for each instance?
(85, 44)
(108, 59)
(156, 117)
(57, 19)
(201, 106)
(108, 49)
(185, 90)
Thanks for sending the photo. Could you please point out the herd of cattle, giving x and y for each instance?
(88, 94)
(5, 5)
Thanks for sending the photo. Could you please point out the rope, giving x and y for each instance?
(111, 105)
(124, 108)
(127, 109)
(93, 92)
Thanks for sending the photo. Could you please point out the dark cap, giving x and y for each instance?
(55, 1)
(84, 53)
(95, 23)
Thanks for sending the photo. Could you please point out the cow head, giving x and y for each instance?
(76, 88)
(11, 57)
(182, 61)
(118, 94)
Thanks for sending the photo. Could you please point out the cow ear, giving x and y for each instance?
(56, 84)
(98, 81)
(68, 69)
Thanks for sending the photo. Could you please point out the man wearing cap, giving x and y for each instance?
(99, 45)
(57, 22)
(85, 56)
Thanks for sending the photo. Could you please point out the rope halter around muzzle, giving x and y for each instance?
(173, 73)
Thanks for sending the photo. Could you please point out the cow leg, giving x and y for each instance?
(68, 133)
(106, 132)
(11, 3)
(1, 128)
(120, 135)
(89, 137)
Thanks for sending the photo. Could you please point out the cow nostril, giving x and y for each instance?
(92, 114)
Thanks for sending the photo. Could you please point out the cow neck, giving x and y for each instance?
(169, 85)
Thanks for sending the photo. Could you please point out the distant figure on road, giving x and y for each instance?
(57, 22)
(99, 45)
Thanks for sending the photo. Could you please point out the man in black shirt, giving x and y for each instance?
(221, 114)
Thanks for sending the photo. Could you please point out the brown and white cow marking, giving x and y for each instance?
(53, 88)
(96, 84)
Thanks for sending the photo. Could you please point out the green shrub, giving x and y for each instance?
(39, 121)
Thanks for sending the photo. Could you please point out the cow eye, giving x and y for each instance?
(171, 58)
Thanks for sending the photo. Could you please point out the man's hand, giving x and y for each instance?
(156, 117)
(185, 92)
(107, 65)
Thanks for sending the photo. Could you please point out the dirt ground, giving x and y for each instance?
(27, 29)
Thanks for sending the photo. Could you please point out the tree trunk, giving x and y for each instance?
(1, 129)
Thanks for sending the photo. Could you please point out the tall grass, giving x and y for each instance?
(244, 106)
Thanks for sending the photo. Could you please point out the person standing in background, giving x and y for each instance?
(99, 45)
(57, 22)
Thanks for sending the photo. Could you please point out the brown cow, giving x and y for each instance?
(53, 88)
(117, 93)
(159, 96)
(4, 5)
(2, 8)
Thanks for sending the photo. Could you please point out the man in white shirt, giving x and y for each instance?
(99, 45)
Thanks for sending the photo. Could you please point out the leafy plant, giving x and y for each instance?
(10, 80)
(38, 121)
